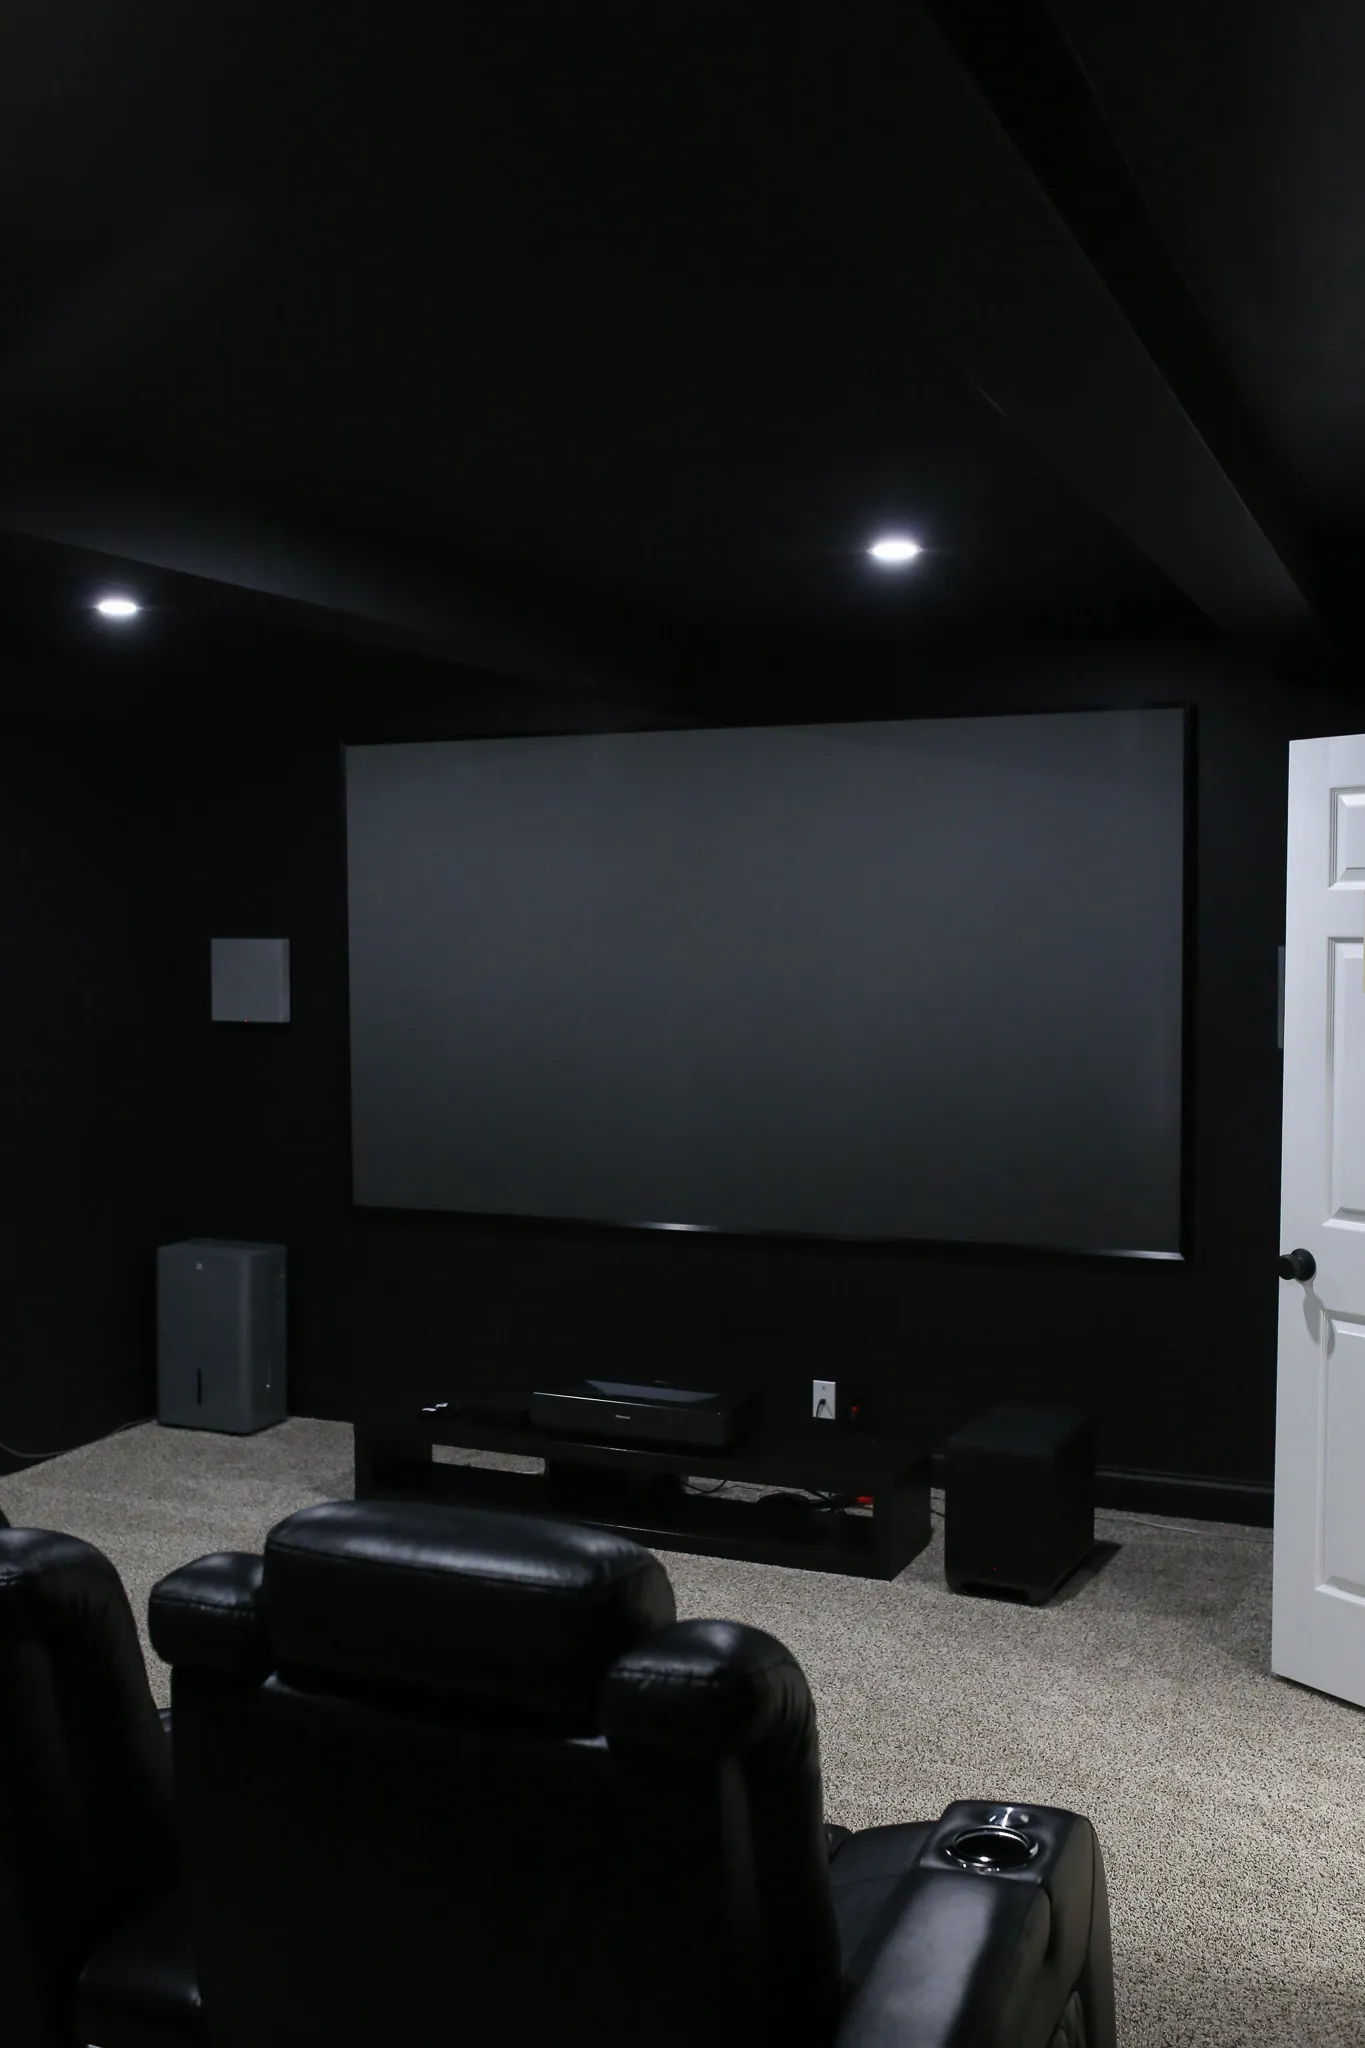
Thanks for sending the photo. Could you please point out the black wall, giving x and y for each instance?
(1176, 1362)
(129, 1119)
(83, 1065)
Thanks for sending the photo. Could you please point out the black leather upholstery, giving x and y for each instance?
(863, 1879)
(447, 1605)
(716, 1691)
(86, 1825)
(208, 1614)
(989, 1958)
(140, 1988)
(444, 1773)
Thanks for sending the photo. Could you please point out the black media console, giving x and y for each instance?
(645, 1493)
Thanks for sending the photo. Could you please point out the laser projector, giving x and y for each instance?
(616, 1411)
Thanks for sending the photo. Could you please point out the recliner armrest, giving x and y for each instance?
(208, 1614)
(957, 1965)
(987, 1959)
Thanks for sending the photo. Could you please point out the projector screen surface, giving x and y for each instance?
(910, 980)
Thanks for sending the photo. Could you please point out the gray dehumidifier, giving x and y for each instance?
(220, 1321)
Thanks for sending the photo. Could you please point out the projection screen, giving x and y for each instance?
(904, 979)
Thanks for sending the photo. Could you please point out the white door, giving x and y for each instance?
(1318, 1617)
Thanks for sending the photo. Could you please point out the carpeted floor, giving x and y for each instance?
(1230, 1805)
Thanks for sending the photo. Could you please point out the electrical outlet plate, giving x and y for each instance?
(822, 1401)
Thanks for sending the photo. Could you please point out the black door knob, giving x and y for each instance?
(1297, 1265)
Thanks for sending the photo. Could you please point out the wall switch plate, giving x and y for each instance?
(822, 1402)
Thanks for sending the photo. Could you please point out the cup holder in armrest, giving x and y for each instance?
(991, 1849)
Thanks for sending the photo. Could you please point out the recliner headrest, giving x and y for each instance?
(409, 1595)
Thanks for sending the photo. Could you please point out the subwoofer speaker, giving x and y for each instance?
(1019, 1502)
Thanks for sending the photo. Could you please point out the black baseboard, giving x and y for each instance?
(324, 1404)
(1185, 1498)
(1182, 1496)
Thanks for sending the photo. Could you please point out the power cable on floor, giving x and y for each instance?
(41, 1457)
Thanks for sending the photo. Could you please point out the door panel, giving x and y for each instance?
(1318, 1619)
(1346, 1084)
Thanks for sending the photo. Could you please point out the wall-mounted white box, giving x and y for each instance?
(250, 981)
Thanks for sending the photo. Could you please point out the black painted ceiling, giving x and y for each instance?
(592, 346)
(1243, 128)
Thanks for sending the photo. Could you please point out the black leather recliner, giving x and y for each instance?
(94, 1945)
(448, 1775)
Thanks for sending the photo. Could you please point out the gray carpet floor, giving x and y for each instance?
(1229, 1804)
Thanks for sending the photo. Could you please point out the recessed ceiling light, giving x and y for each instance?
(895, 549)
(117, 608)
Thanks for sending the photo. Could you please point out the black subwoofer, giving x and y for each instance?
(1019, 1502)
